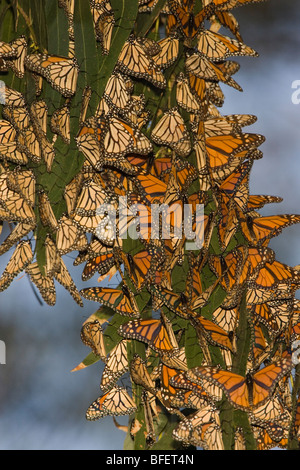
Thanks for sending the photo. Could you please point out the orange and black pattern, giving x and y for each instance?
(181, 329)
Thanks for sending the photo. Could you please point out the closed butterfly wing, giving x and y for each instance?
(18, 232)
(134, 61)
(92, 336)
(116, 402)
(116, 365)
(21, 258)
(120, 300)
(168, 53)
(172, 132)
(140, 374)
(188, 23)
(217, 47)
(60, 123)
(104, 29)
(44, 283)
(60, 72)
(64, 278)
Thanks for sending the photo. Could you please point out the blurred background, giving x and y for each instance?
(43, 403)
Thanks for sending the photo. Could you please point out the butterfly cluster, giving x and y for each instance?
(192, 329)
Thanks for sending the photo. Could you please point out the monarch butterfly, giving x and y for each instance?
(259, 230)
(101, 263)
(168, 51)
(204, 69)
(233, 190)
(173, 300)
(273, 273)
(195, 429)
(200, 89)
(228, 4)
(100, 6)
(214, 333)
(28, 141)
(229, 269)
(91, 198)
(47, 150)
(17, 61)
(180, 381)
(151, 188)
(60, 72)
(275, 315)
(13, 206)
(21, 257)
(229, 124)
(104, 29)
(141, 266)
(39, 114)
(188, 23)
(23, 182)
(67, 5)
(134, 61)
(116, 92)
(172, 132)
(47, 216)
(185, 98)
(53, 258)
(12, 98)
(170, 396)
(12, 152)
(140, 374)
(72, 190)
(64, 278)
(121, 139)
(7, 132)
(91, 335)
(68, 236)
(60, 123)
(7, 50)
(88, 144)
(116, 365)
(272, 412)
(256, 258)
(280, 291)
(266, 442)
(18, 116)
(217, 47)
(230, 22)
(184, 174)
(153, 332)
(115, 402)
(17, 233)
(246, 392)
(45, 284)
(224, 150)
(258, 201)
(259, 345)
(120, 300)
(226, 318)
